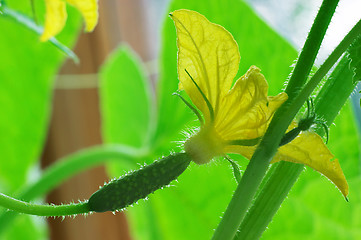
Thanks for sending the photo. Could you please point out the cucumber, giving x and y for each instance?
(128, 189)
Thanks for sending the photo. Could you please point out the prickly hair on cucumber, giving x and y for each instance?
(129, 188)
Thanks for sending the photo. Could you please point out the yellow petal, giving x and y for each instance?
(210, 55)
(309, 149)
(245, 151)
(55, 18)
(89, 11)
(247, 110)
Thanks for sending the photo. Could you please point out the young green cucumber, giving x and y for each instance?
(136, 185)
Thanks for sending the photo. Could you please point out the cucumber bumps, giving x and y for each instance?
(136, 185)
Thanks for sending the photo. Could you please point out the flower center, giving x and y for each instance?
(204, 146)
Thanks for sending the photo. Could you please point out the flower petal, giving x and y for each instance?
(309, 149)
(89, 10)
(245, 151)
(55, 18)
(209, 53)
(246, 109)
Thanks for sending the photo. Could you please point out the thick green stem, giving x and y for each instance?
(68, 167)
(339, 84)
(239, 205)
(262, 212)
(43, 210)
(329, 62)
(258, 165)
(284, 176)
(311, 47)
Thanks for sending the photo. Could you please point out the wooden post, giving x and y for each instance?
(75, 121)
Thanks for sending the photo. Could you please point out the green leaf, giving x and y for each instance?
(27, 227)
(355, 56)
(125, 101)
(318, 212)
(27, 70)
(236, 169)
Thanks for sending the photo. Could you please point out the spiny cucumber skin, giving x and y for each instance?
(131, 187)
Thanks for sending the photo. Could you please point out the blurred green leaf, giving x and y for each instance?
(27, 70)
(125, 101)
(318, 212)
(27, 227)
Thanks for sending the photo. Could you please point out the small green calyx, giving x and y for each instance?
(204, 146)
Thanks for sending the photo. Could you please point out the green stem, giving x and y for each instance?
(329, 62)
(258, 165)
(340, 84)
(311, 47)
(273, 194)
(31, 25)
(75, 163)
(241, 199)
(276, 189)
(68, 167)
(33, 11)
(42, 210)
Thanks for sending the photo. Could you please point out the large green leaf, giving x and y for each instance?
(28, 228)
(125, 99)
(125, 102)
(27, 71)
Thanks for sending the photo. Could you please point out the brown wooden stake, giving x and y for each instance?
(75, 121)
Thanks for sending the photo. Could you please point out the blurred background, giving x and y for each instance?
(75, 121)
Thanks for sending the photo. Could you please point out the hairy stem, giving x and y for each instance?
(43, 210)
(269, 200)
(68, 167)
(311, 47)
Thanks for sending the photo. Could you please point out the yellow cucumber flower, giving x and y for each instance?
(235, 118)
(56, 15)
